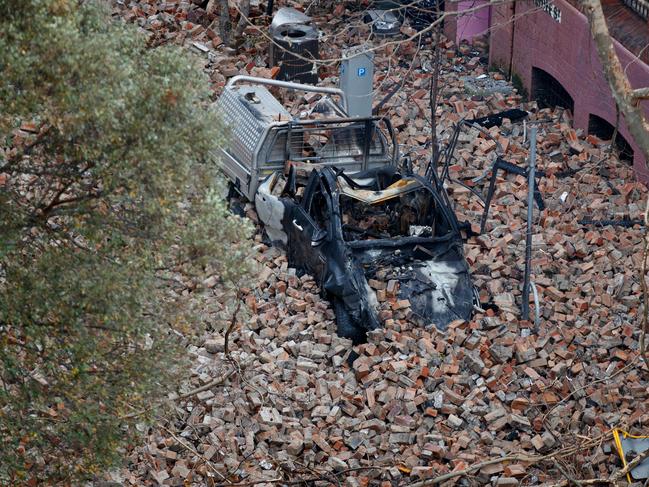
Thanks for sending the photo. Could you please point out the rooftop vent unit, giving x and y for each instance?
(294, 44)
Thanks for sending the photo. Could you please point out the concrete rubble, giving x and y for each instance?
(413, 403)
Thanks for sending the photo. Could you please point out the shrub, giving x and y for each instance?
(104, 199)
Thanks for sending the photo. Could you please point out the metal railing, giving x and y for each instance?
(640, 7)
(331, 142)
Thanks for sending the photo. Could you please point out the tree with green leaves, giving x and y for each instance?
(105, 199)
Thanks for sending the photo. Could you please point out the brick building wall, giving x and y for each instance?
(471, 19)
(558, 41)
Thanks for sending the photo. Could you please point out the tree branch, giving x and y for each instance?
(233, 322)
(434, 92)
(618, 82)
(26, 150)
(640, 94)
(626, 99)
(72, 199)
(571, 480)
(645, 292)
(195, 452)
(216, 382)
(631, 465)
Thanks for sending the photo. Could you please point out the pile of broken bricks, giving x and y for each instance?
(415, 403)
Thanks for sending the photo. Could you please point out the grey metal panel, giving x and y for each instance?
(286, 16)
(632, 447)
(247, 111)
(384, 22)
(356, 76)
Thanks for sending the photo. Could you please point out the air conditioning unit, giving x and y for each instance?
(294, 44)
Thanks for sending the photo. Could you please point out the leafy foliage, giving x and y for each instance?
(104, 198)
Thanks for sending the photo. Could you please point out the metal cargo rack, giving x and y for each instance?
(345, 142)
(264, 137)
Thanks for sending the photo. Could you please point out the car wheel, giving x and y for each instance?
(345, 327)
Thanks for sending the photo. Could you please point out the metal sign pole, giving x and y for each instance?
(528, 238)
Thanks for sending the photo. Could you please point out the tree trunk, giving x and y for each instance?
(622, 91)
(244, 12)
(628, 103)
(225, 22)
(434, 92)
(225, 25)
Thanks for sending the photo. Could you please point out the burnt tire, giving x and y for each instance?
(235, 201)
(345, 327)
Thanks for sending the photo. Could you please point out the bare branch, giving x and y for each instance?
(187, 446)
(645, 292)
(640, 94)
(531, 459)
(233, 322)
(26, 150)
(571, 480)
(631, 465)
(434, 93)
(216, 382)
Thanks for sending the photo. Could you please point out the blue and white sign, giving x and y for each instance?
(361, 72)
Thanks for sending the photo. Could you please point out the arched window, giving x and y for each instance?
(548, 92)
(604, 130)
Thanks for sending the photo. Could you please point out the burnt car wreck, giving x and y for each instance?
(328, 191)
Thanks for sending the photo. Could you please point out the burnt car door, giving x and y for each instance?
(306, 232)
(316, 246)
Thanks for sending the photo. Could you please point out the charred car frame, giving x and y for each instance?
(327, 189)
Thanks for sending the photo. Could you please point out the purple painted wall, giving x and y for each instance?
(466, 26)
(473, 23)
(565, 50)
